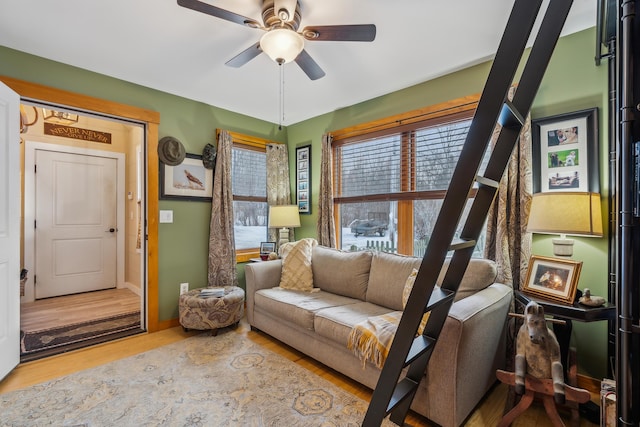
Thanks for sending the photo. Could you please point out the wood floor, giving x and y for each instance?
(488, 413)
(71, 309)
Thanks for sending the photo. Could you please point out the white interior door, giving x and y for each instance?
(76, 229)
(9, 230)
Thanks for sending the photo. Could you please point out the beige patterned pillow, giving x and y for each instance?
(296, 265)
(408, 286)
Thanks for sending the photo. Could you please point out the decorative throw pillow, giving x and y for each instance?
(408, 286)
(296, 265)
(283, 250)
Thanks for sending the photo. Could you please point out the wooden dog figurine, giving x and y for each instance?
(538, 352)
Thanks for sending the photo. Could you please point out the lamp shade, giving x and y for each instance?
(282, 45)
(284, 216)
(577, 214)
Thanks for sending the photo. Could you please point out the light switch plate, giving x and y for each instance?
(166, 217)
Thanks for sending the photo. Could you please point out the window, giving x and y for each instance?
(249, 186)
(390, 180)
(249, 176)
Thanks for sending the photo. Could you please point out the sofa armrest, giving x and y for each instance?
(471, 346)
(260, 275)
(466, 308)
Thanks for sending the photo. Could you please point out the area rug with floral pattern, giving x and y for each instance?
(225, 380)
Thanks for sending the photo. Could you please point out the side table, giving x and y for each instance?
(575, 311)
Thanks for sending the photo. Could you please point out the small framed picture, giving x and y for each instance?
(189, 180)
(553, 278)
(267, 247)
(303, 178)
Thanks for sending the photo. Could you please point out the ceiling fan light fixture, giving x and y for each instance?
(282, 45)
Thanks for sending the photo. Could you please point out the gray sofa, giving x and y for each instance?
(356, 285)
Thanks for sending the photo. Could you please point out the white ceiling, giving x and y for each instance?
(158, 44)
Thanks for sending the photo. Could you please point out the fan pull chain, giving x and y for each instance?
(281, 112)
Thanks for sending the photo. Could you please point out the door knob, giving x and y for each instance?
(111, 230)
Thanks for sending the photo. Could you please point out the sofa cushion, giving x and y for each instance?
(296, 265)
(336, 323)
(297, 306)
(387, 278)
(342, 273)
(480, 273)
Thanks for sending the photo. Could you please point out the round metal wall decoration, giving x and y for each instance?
(209, 156)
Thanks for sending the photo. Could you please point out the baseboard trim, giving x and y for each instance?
(167, 324)
(590, 384)
(133, 288)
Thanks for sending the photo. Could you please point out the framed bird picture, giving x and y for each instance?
(189, 180)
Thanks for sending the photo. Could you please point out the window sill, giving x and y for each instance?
(246, 254)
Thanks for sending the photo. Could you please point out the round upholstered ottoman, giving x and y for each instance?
(211, 312)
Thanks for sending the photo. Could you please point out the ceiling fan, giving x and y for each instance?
(282, 41)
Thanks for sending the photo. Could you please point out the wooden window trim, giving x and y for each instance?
(405, 124)
(444, 109)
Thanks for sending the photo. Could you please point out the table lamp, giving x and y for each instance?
(284, 217)
(563, 213)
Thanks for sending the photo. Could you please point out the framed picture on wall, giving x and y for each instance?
(565, 152)
(189, 180)
(303, 179)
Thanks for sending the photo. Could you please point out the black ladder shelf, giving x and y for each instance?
(392, 395)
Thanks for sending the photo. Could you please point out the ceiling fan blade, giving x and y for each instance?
(348, 33)
(245, 56)
(218, 13)
(309, 66)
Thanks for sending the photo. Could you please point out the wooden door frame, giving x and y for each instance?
(151, 118)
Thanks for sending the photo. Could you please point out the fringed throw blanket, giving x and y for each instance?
(371, 339)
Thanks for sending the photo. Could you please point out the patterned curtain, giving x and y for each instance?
(222, 247)
(278, 184)
(508, 242)
(326, 228)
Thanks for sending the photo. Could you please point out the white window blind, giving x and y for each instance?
(370, 167)
(437, 151)
(249, 173)
(424, 159)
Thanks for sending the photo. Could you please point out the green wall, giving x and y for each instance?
(572, 82)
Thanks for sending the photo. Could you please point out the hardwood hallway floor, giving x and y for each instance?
(71, 309)
(488, 412)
